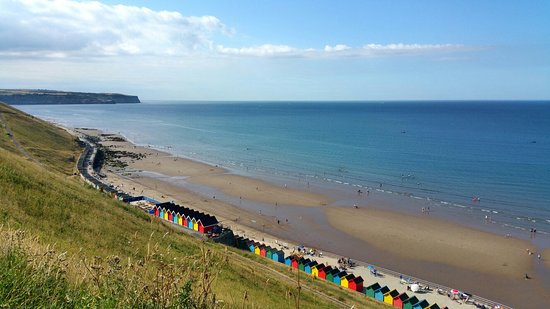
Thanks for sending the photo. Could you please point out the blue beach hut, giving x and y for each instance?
(278, 256)
(379, 294)
(288, 261)
(189, 223)
(307, 267)
(336, 277)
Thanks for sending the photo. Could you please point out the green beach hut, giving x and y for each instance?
(371, 288)
(410, 302)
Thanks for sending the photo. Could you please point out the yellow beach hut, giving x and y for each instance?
(195, 224)
(165, 214)
(257, 249)
(315, 269)
(388, 297)
(344, 281)
(180, 220)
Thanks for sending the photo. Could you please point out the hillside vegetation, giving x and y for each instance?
(63, 244)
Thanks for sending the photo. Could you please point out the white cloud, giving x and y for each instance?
(336, 48)
(266, 50)
(67, 28)
(341, 50)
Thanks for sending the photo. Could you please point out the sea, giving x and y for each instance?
(483, 158)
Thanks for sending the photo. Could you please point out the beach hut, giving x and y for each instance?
(315, 269)
(263, 250)
(207, 223)
(379, 294)
(302, 263)
(371, 288)
(336, 277)
(189, 223)
(278, 256)
(257, 249)
(410, 302)
(308, 266)
(269, 252)
(289, 260)
(161, 213)
(322, 273)
(180, 220)
(344, 281)
(399, 299)
(423, 304)
(157, 211)
(195, 224)
(356, 284)
(388, 297)
(252, 247)
(294, 263)
(175, 217)
(434, 306)
(170, 216)
(331, 273)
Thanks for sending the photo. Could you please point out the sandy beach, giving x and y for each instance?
(489, 265)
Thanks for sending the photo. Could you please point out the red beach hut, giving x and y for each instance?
(263, 250)
(399, 299)
(294, 263)
(356, 284)
(323, 272)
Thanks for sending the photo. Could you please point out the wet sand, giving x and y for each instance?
(485, 264)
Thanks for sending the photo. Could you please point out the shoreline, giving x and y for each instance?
(306, 217)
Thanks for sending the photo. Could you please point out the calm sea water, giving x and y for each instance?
(445, 151)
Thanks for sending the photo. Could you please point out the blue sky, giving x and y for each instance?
(280, 50)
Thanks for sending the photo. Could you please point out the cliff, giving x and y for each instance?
(29, 97)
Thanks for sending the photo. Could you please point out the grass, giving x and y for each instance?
(66, 245)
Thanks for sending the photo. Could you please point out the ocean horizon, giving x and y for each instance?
(478, 158)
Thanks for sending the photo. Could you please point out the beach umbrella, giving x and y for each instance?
(415, 287)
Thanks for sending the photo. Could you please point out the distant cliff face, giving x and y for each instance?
(29, 97)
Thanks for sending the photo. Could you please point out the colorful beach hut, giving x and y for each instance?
(175, 217)
(423, 304)
(356, 284)
(180, 220)
(302, 263)
(388, 297)
(252, 247)
(331, 274)
(371, 288)
(379, 294)
(262, 250)
(399, 299)
(289, 260)
(278, 256)
(322, 273)
(207, 223)
(410, 302)
(315, 269)
(344, 281)
(434, 306)
(308, 266)
(269, 252)
(195, 224)
(336, 277)
(157, 211)
(294, 263)
(257, 249)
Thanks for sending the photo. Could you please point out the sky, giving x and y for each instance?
(280, 50)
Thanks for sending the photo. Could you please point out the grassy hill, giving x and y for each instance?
(63, 244)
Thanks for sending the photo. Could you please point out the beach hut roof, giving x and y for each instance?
(312, 263)
(434, 306)
(375, 286)
(208, 220)
(333, 271)
(423, 303)
(393, 293)
(384, 290)
(342, 274)
(350, 277)
(403, 296)
(411, 300)
(358, 279)
(327, 269)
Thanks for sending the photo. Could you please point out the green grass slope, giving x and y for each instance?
(63, 244)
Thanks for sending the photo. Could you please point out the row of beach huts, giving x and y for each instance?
(334, 275)
(205, 223)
